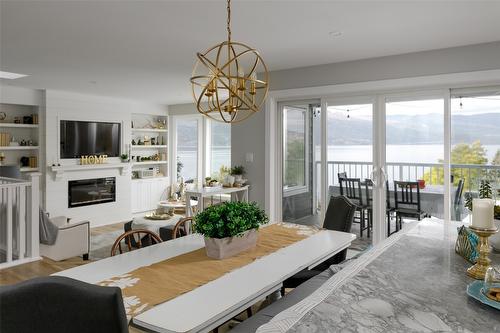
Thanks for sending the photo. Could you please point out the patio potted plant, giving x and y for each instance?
(229, 228)
(485, 192)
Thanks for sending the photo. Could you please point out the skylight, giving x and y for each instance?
(11, 76)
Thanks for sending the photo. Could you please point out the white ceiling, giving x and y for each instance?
(146, 49)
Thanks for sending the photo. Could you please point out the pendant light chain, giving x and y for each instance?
(224, 79)
(229, 20)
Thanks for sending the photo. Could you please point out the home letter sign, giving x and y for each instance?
(93, 159)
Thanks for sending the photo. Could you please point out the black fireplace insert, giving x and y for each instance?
(95, 191)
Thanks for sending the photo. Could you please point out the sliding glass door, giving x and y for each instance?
(300, 128)
(414, 155)
(400, 157)
(349, 160)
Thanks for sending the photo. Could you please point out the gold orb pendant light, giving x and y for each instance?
(224, 80)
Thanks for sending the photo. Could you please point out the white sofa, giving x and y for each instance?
(73, 239)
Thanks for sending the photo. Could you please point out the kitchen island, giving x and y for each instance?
(412, 282)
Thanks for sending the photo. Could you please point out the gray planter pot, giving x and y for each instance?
(220, 248)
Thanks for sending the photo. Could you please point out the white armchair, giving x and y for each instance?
(73, 239)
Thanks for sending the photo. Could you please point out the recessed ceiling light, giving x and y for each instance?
(335, 33)
(11, 76)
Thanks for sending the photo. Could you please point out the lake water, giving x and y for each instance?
(397, 153)
(354, 153)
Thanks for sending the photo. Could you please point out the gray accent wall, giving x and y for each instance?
(445, 61)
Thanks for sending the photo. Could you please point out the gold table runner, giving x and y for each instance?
(151, 285)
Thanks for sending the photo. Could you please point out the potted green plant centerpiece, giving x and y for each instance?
(229, 228)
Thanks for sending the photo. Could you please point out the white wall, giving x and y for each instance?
(63, 105)
(19, 95)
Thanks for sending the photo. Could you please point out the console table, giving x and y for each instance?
(237, 194)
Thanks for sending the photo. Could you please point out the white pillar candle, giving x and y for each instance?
(482, 213)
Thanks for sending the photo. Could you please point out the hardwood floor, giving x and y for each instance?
(47, 266)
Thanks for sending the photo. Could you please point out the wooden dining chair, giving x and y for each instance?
(144, 238)
(183, 227)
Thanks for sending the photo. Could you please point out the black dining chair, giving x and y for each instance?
(57, 304)
(407, 202)
(388, 208)
(457, 201)
(339, 217)
(351, 188)
(369, 203)
(341, 175)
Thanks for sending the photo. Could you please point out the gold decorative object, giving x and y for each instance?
(224, 80)
(483, 248)
(93, 159)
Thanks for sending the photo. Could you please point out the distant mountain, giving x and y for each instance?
(186, 138)
(420, 129)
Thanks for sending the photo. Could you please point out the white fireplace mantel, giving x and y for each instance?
(60, 170)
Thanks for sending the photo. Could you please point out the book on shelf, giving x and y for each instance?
(4, 139)
(33, 162)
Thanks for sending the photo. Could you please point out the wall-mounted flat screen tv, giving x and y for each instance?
(80, 138)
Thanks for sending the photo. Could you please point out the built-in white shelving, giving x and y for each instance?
(148, 146)
(27, 169)
(149, 163)
(14, 125)
(19, 147)
(151, 178)
(15, 130)
(150, 130)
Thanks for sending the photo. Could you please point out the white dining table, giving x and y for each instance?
(212, 304)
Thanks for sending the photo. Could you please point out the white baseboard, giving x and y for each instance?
(18, 262)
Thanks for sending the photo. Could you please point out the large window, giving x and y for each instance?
(202, 148)
(475, 146)
(220, 147)
(186, 131)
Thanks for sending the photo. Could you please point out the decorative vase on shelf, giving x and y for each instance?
(229, 180)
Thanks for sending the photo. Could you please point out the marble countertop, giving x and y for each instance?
(412, 283)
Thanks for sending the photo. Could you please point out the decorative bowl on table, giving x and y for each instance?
(157, 216)
(477, 291)
(491, 286)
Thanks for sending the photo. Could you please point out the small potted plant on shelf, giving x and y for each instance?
(238, 171)
(229, 228)
(124, 158)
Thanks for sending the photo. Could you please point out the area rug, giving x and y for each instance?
(100, 245)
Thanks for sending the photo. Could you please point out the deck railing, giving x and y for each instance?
(433, 173)
(19, 204)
